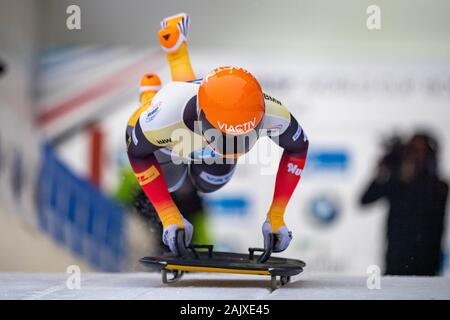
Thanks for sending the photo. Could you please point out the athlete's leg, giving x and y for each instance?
(173, 40)
(174, 174)
(210, 177)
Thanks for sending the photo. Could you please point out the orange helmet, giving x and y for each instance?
(230, 100)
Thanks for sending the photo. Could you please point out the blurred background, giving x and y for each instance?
(66, 96)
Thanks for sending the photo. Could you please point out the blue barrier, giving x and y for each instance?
(79, 216)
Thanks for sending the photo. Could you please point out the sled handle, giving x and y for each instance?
(210, 248)
(266, 253)
(251, 252)
(183, 252)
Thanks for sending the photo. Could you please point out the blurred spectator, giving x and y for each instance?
(407, 177)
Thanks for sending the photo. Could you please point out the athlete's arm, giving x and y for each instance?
(173, 40)
(150, 176)
(295, 144)
(288, 134)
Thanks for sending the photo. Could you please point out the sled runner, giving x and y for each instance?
(202, 258)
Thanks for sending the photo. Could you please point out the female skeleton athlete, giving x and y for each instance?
(180, 126)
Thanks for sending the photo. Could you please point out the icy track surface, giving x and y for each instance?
(216, 286)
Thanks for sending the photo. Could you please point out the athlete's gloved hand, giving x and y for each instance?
(169, 236)
(282, 237)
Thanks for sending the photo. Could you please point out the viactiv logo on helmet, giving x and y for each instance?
(237, 129)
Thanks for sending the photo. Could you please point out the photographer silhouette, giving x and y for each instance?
(407, 177)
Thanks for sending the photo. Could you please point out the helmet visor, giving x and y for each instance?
(227, 145)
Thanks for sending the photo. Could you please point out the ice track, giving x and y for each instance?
(216, 286)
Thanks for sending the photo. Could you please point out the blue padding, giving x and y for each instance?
(79, 216)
